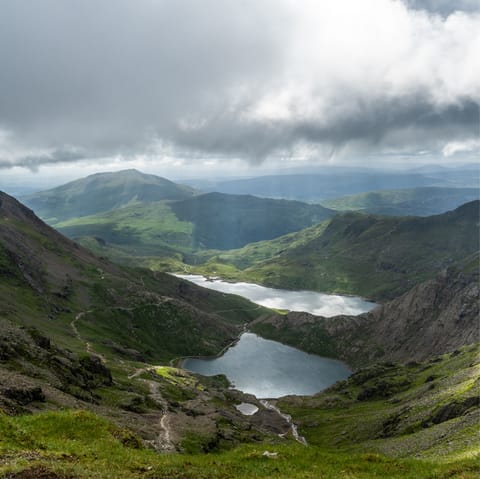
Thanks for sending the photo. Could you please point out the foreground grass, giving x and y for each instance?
(80, 444)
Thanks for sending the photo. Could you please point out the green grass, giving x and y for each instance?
(80, 444)
(138, 229)
(163, 228)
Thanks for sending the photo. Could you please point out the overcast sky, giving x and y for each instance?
(222, 85)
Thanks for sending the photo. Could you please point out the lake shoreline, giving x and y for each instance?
(211, 279)
(312, 302)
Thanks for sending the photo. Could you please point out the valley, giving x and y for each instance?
(92, 344)
(239, 239)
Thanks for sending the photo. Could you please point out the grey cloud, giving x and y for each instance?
(103, 74)
(33, 162)
(412, 119)
(110, 76)
(445, 7)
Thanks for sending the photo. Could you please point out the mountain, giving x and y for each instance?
(326, 183)
(373, 256)
(45, 276)
(424, 201)
(224, 221)
(141, 215)
(103, 192)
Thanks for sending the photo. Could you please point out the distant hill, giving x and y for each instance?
(315, 187)
(373, 256)
(326, 182)
(224, 221)
(149, 215)
(103, 192)
(422, 201)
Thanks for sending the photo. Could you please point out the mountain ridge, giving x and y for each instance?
(374, 256)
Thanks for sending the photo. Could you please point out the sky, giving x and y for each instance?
(188, 88)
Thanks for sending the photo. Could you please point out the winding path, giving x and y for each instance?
(88, 346)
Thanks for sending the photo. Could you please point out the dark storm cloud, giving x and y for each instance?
(412, 119)
(106, 74)
(118, 77)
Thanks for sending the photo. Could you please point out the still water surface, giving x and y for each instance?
(269, 369)
(320, 304)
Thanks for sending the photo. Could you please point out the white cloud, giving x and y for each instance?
(455, 147)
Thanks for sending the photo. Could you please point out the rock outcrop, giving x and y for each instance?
(435, 317)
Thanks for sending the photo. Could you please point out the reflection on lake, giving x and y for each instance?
(320, 304)
(269, 369)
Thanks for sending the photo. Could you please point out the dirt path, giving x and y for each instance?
(88, 346)
(163, 441)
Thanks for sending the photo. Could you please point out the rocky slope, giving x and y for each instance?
(433, 318)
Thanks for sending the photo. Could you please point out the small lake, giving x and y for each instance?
(320, 304)
(269, 369)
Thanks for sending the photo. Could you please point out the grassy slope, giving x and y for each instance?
(424, 201)
(207, 221)
(47, 280)
(78, 444)
(372, 256)
(140, 229)
(422, 410)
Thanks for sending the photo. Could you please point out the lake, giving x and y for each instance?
(320, 304)
(269, 369)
